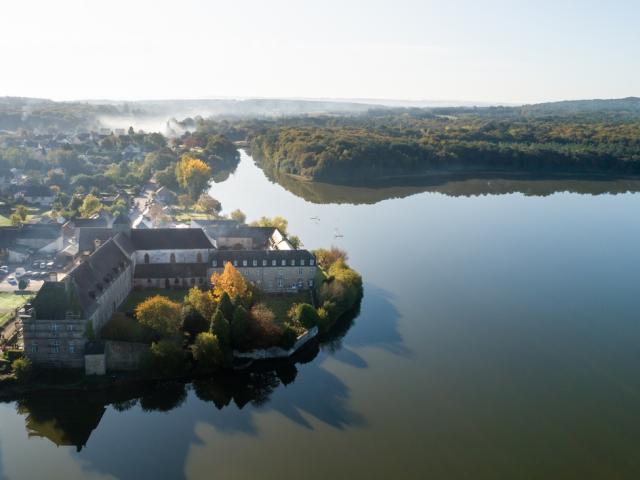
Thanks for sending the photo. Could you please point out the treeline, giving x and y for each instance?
(380, 144)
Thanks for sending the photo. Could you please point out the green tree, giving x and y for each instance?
(23, 369)
(207, 352)
(306, 315)
(15, 219)
(209, 205)
(220, 328)
(278, 222)
(239, 326)
(23, 283)
(166, 358)
(226, 306)
(90, 206)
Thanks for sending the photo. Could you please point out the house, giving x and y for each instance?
(36, 194)
(233, 235)
(17, 242)
(165, 196)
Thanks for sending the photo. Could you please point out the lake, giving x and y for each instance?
(498, 337)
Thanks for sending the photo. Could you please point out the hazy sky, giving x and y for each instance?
(496, 51)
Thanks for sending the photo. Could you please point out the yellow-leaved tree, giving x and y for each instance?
(193, 175)
(230, 281)
(161, 315)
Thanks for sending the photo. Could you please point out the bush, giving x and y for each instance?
(23, 369)
(207, 353)
(165, 359)
(289, 336)
(306, 315)
(193, 322)
(262, 331)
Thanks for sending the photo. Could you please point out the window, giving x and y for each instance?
(311, 262)
(273, 263)
(300, 271)
(176, 281)
(55, 347)
(193, 281)
(244, 263)
(264, 263)
(311, 283)
(214, 263)
(255, 263)
(34, 347)
(199, 257)
(54, 327)
(146, 258)
(69, 328)
(72, 347)
(302, 262)
(293, 263)
(235, 263)
(173, 258)
(283, 262)
(280, 283)
(280, 273)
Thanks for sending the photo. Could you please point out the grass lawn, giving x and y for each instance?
(280, 303)
(4, 221)
(138, 296)
(8, 304)
(185, 216)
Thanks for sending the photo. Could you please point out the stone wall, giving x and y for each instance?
(277, 352)
(124, 356)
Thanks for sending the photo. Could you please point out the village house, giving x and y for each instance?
(36, 194)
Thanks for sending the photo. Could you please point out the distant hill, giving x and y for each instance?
(629, 105)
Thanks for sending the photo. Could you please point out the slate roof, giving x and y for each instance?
(54, 300)
(170, 270)
(38, 231)
(170, 239)
(93, 275)
(87, 237)
(224, 256)
(36, 191)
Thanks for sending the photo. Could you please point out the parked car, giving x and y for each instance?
(12, 281)
(49, 265)
(4, 269)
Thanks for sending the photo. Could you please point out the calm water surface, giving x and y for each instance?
(499, 337)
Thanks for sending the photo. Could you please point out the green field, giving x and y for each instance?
(138, 296)
(8, 304)
(4, 221)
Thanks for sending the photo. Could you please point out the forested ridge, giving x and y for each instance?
(583, 137)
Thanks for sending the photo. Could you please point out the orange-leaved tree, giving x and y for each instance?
(193, 175)
(232, 282)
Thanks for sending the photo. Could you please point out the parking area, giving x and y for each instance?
(34, 273)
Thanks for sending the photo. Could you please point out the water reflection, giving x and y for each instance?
(70, 418)
(454, 185)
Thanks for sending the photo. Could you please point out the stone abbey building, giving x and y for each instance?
(111, 261)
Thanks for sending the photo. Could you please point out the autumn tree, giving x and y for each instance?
(90, 206)
(22, 212)
(160, 314)
(326, 258)
(278, 222)
(209, 205)
(231, 282)
(201, 301)
(238, 215)
(193, 175)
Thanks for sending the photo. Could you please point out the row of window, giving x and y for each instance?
(54, 347)
(172, 258)
(274, 263)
